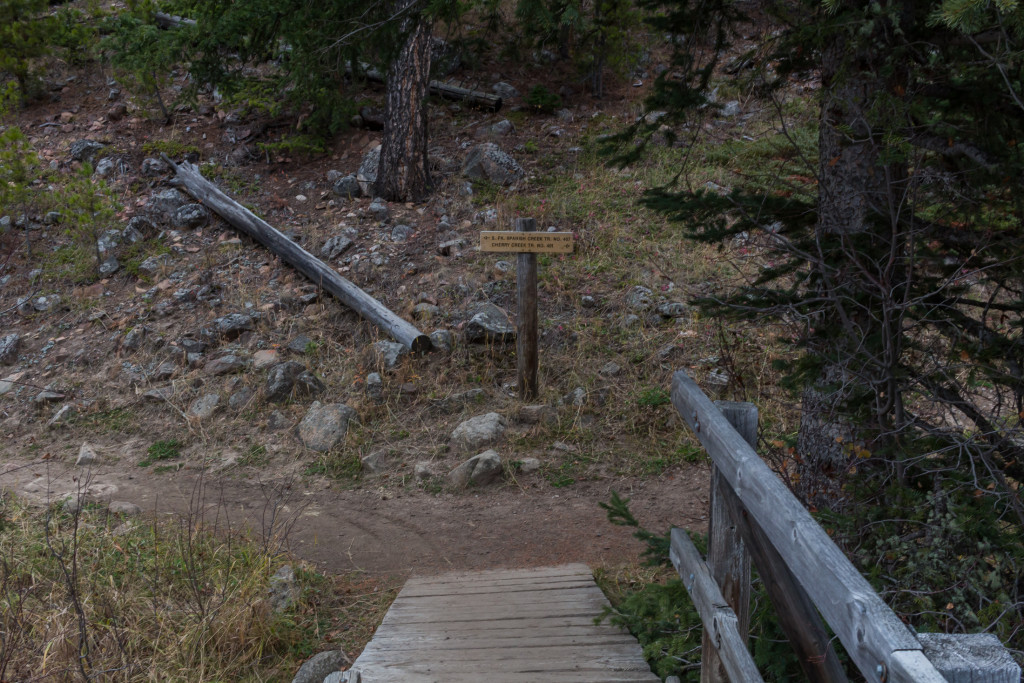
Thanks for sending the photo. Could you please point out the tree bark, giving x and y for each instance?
(403, 173)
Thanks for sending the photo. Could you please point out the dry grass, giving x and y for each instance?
(94, 596)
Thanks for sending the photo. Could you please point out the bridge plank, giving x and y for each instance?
(508, 625)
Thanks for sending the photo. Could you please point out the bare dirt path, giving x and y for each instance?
(396, 532)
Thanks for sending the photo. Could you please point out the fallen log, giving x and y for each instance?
(165, 21)
(473, 98)
(188, 176)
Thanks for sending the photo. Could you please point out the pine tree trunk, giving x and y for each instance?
(856, 194)
(403, 173)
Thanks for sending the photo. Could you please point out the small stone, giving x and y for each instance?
(165, 204)
(9, 345)
(401, 233)
(226, 364)
(154, 264)
(47, 396)
(367, 174)
(481, 469)
(133, 340)
(308, 384)
(442, 340)
(241, 398)
(284, 590)
(503, 127)
(629, 321)
(109, 266)
(478, 432)
(490, 324)
(87, 455)
(321, 665)
(278, 421)
(504, 90)
(731, 108)
(422, 470)
(335, 247)
(264, 359)
(374, 386)
(104, 167)
(528, 465)
(610, 369)
(233, 325)
(204, 406)
(191, 216)
(577, 397)
(640, 299)
(120, 507)
(324, 426)
(347, 187)
(425, 311)
(672, 309)
(487, 161)
(153, 167)
(159, 394)
(389, 353)
(379, 210)
(84, 150)
(281, 380)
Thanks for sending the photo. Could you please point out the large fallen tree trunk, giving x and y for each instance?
(317, 271)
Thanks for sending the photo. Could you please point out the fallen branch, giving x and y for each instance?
(189, 177)
(473, 98)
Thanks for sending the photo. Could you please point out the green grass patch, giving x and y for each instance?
(161, 450)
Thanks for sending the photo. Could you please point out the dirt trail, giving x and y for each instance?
(397, 532)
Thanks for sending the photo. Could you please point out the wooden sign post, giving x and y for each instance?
(527, 243)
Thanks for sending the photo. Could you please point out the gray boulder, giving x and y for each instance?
(232, 325)
(320, 666)
(9, 345)
(480, 470)
(367, 174)
(401, 233)
(490, 325)
(284, 590)
(503, 127)
(348, 186)
(389, 353)
(478, 432)
(191, 216)
(379, 209)
(85, 150)
(120, 507)
(86, 455)
(504, 90)
(441, 340)
(640, 299)
(487, 161)
(164, 204)
(324, 426)
(672, 309)
(153, 167)
(109, 266)
(281, 380)
(335, 247)
(204, 406)
(225, 365)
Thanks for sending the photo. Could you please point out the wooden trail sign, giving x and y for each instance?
(527, 243)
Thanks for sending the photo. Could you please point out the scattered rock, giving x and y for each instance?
(164, 204)
(300, 344)
(504, 90)
(348, 187)
(153, 167)
(163, 371)
(265, 358)
(109, 266)
(284, 590)
(232, 326)
(503, 127)
(442, 340)
(319, 666)
(335, 247)
(226, 364)
(731, 108)
(478, 432)
(85, 150)
(191, 216)
(528, 465)
(154, 264)
(87, 455)
(401, 233)
(577, 397)
(281, 380)
(379, 209)
(325, 425)
(367, 174)
(7, 384)
(425, 311)
(487, 161)
(120, 507)
(481, 469)
(9, 345)
(374, 386)
(159, 394)
(490, 325)
(308, 384)
(610, 369)
(672, 309)
(640, 299)
(117, 112)
(204, 407)
(47, 396)
(241, 398)
(422, 470)
(104, 167)
(389, 353)
(278, 421)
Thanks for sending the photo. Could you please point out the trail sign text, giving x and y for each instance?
(527, 242)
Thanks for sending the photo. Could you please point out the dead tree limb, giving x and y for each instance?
(473, 98)
(317, 271)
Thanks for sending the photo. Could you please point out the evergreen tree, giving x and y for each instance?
(899, 263)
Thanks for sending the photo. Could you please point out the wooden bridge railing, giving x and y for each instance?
(754, 516)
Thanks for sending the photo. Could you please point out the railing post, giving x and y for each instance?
(728, 560)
